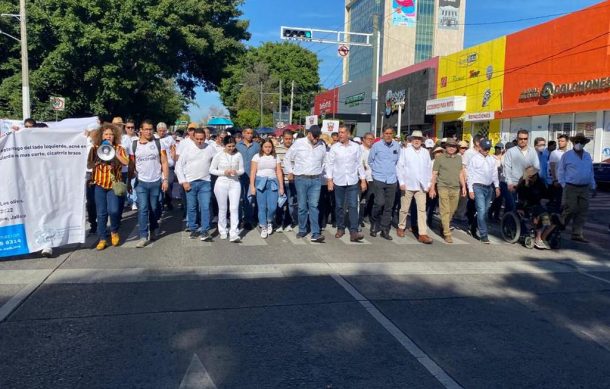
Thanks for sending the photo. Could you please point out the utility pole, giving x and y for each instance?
(291, 100)
(280, 103)
(375, 74)
(261, 126)
(25, 69)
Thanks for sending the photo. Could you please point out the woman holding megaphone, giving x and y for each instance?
(106, 159)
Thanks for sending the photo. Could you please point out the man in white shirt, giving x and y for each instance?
(482, 179)
(169, 144)
(575, 175)
(555, 189)
(414, 172)
(148, 164)
(366, 198)
(304, 162)
(516, 160)
(344, 170)
(287, 217)
(193, 172)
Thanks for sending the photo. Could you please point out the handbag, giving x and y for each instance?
(118, 187)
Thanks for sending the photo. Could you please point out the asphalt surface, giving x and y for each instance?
(283, 313)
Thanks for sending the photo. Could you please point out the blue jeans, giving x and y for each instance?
(347, 196)
(266, 200)
(483, 195)
(198, 198)
(308, 195)
(246, 210)
(287, 215)
(106, 204)
(148, 201)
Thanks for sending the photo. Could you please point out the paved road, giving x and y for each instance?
(284, 313)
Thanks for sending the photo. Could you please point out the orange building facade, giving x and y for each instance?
(557, 79)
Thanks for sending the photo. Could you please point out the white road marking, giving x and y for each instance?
(400, 336)
(186, 241)
(408, 239)
(345, 239)
(292, 237)
(196, 376)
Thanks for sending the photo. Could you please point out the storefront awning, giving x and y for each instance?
(446, 105)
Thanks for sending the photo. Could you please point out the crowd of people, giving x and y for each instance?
(240, 181)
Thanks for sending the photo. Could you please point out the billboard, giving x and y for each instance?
(404, 13)
(449, 14)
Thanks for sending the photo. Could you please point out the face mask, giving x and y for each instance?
(540, 149)
(578, 147)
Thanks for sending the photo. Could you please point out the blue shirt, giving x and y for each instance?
(247, 153)
(543, 157)
(574, 170)
(383, 159)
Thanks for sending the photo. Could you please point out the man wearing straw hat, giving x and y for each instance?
(575, 175)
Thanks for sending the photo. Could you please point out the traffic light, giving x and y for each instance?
(296, 33)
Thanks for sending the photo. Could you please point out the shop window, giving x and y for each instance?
(557, 129)
(451, 129)
(480, 128)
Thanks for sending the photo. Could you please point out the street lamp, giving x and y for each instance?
(25, 69)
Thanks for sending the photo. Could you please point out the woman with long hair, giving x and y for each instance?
(228, 165)
(267, 184)
(104, 174)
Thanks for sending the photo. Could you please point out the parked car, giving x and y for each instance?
(601, 170)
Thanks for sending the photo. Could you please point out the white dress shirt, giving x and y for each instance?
(482, 170)
(414, 169)
(194, 163)
(344, 163)
(303, 158)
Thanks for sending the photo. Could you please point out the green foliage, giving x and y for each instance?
(120, 57)
(267, 64)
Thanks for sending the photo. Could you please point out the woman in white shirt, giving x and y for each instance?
(267, 184)
(228, 166)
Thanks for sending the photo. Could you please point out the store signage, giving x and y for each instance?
(479, 117)
(550, 89)
(446, 105)
(353, 101)
(392, 99)
(468, 59)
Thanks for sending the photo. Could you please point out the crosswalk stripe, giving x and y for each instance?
(186, 241)
(292, 237)
(408, 239)
(345, 239)
(252, 238)
(438, 238)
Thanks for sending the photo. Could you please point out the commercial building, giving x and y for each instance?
(557, 79)
(412, 31)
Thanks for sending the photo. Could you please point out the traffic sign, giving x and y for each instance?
(58, 103)
(343, 51)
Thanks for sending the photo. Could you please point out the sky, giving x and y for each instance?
(485, 20)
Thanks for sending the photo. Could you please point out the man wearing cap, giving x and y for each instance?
(248, 149)
(482, 179)
(575, 174)
(449, 182)
(345, 176)
(383, 158)
(304, 163)
(414, 172)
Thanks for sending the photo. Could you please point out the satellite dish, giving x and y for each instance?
(106, 152)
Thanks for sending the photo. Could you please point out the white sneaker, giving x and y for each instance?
(279, 229)
(269, 229)
(134, 207)
(223, 236)
(288, 228)
(264, 232)
(542, 245)
(235, 239)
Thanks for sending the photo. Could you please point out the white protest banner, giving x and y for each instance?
(42, 201)
(310, 121)
(330, 126)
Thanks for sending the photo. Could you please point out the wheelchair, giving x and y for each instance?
(517, 227)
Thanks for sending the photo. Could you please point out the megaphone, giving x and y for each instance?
(106, 152)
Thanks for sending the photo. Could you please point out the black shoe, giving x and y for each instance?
(193, 235)
(374, 232)
(206, 237)
(362, 224)
(301, 235)
(386, 235)
(317, 238)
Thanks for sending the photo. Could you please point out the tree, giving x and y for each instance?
(268, 64)
(123, 57)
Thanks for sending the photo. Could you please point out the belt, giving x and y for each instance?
(578, 186)
(308, 176)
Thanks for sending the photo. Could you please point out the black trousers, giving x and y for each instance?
(381, 215)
